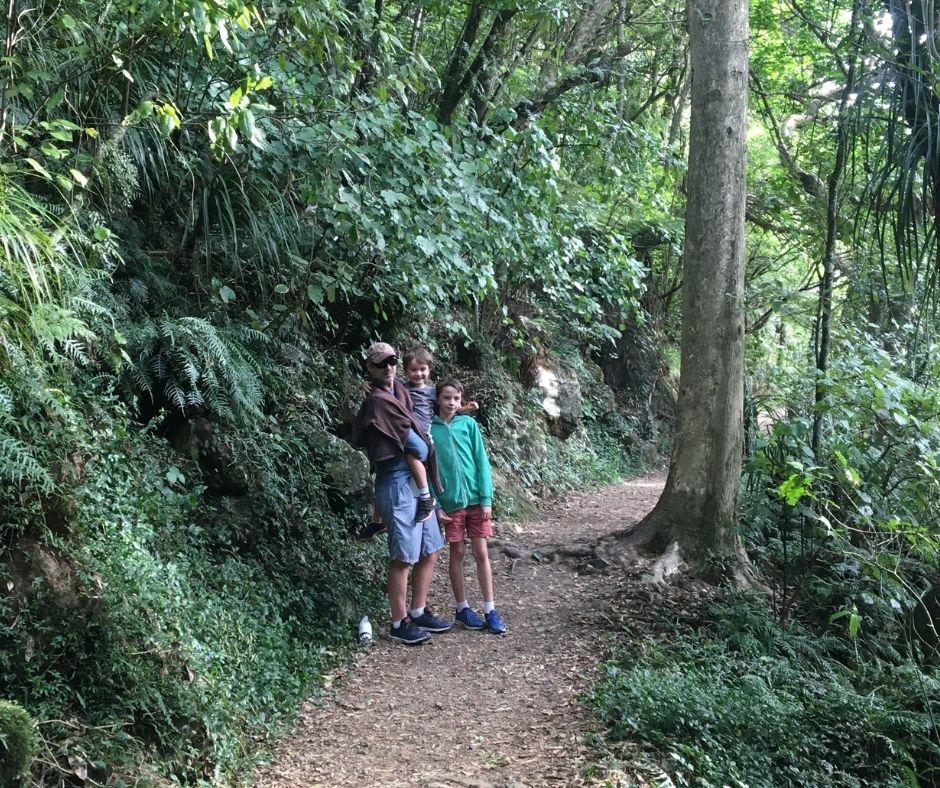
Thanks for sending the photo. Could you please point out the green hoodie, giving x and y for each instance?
(462, 463)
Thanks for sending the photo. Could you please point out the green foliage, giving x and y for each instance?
(854, 529)
(17, 745)
(191, 365)
(600, 452)
(745, 702)
(183, 636)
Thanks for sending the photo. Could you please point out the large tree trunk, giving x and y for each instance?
(696, 517)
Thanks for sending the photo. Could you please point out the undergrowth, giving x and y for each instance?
(155, 628)
(746, 701)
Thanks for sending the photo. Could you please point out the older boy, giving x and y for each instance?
(467, 499)
(384, 426)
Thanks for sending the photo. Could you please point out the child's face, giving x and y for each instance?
(448, 402)
(418, 373)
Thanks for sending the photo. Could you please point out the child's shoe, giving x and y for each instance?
(494, 623)
(468, 619)
(370, 531)
(425, 509)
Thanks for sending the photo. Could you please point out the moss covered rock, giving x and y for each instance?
(17, 745)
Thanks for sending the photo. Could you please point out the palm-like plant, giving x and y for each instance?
(42, 278)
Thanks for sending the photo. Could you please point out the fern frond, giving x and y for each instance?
(18, 464)
(175, 395)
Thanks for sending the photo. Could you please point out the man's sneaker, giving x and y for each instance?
(427, 620)
(468, 619)
(494, 623)
(425, 509)
(408, 634)
(370, 531)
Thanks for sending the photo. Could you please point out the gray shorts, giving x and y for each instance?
(408, 541)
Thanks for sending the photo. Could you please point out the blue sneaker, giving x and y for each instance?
(428, 621)
(408, 634)
(468, 619)
(494, 623)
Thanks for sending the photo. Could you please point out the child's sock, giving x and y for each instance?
(424, 492)
(488, 607)
(462, 605)
(417, 612)
(397, 623)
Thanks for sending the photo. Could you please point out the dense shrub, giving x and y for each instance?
(178, 628)
(17, 745)
(746, 702)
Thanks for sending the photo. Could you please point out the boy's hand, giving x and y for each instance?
(487, 512)
(472, 406)
(366, 388)
(444, 517)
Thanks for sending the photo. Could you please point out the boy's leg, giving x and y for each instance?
(494, 622)
(479, 529)
(416, 452)
(481, 557)
(455, 570)
(455, 531)
(418, 472)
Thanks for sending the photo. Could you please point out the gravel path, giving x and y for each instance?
(470, 709)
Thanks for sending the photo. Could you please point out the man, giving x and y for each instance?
(385, 427)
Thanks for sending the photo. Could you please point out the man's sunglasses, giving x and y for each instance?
(391, 361)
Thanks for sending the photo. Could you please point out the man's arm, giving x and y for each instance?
(482, 464)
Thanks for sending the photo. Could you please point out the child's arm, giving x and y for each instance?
(468, 407)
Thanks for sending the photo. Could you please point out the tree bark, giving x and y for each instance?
(696, 517)
(587, 29)
(451, 84)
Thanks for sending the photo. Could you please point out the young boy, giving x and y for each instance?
(418, 364)
(467, 499)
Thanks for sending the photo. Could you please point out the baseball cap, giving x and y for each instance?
(379, 351)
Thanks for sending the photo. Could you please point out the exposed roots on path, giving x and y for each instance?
(475, 710)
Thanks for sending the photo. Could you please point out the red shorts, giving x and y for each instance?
(469, 520)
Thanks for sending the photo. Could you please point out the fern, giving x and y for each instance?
(197, 365)
(20, 464)
(658, 777)
(22, 460)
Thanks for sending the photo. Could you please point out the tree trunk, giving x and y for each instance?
(695, 520)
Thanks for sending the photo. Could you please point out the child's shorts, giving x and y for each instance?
(469, 521)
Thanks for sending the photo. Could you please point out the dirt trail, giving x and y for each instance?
(470, 709)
